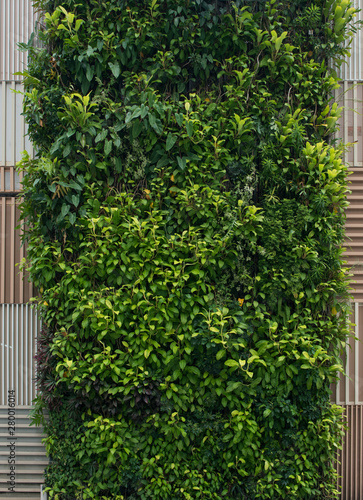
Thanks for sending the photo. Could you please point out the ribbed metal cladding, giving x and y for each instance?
(348, 393)
(19, 325)
(349, 390)
(354, 232)
(10, 180)
(353, 67)
(17, 21)
(350, 96)
(13, 129)
(350, 458)
(14, 284)
(30, 456)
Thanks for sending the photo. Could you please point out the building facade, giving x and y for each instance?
(19, 323)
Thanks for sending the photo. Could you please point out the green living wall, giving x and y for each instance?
(186, 216)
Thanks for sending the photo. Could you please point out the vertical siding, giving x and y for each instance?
(19, 324)
(350, 458)
(354, 232)
(17, 21)
(350, 96)
(349, 394)
(349, 390)
(353, 67)
(13, 129)
(10, 180)
(14, 285)
(18, 321)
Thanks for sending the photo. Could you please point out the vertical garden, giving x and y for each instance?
(185, 217)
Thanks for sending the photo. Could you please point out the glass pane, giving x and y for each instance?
(7, 180)
(17, 181)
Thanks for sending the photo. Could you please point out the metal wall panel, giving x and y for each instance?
(350, 458)
(354, 232)
(19, 325)
(13, 129)
(349, 394)
(10, 180)
(349, 389)
(353, 67)
(17, 21)
(30, 456)
(350, 97)
(14, 285)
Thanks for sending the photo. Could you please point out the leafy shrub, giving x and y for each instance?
(186, 216)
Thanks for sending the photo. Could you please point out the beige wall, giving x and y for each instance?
(17, 18)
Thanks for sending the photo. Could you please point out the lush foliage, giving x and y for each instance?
(186, 215)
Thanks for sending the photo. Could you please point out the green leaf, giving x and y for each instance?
(335, 368)
(75, 200)
(170, 141)
(179, 118)
(182, 162)
(182, 364)
(78, 24)
(72, 218)
(190, 128)
(65, 210)
(233, 386)
(73, 184)
(67, 150)
(155, 123)
(220, 354)
(89, 72)
(108, 147)
(231, 362)
(137, 127)
(102, 135)
(115, 68)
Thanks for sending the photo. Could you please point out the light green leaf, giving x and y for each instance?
(231, 362)
(78, 24)
(220, 354)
